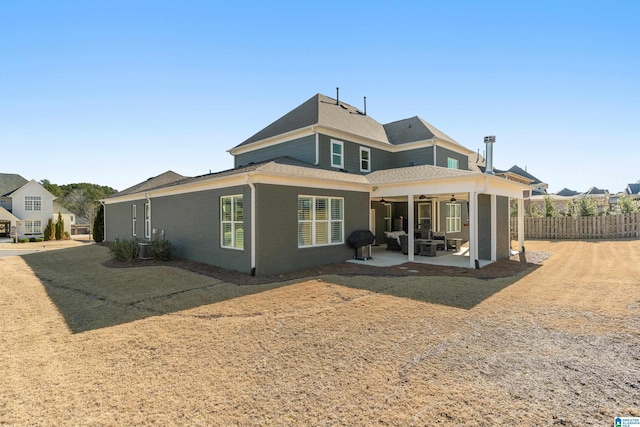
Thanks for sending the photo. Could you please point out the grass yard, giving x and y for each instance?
(87, 345)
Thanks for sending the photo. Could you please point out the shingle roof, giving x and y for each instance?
(567, 193)
(412, 130)
(10, 182)
(517, 169)
(413, 173)
(285, 166)
(154, 182)
(633, 188)
(596, 190)
(322, 110)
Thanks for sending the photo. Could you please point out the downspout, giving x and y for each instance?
(253, 224)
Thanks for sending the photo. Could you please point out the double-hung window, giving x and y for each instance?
(453, 163)
(134, 219)
(337, 154)
(365, 159)
(320, 221)
(33, 227)
(387, 217)
(32, 203)
(453, 218)
(232, 222)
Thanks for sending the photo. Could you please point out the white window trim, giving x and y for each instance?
(233, 222)
(420, 218)
(30, 229)
(147, 220)
(329, 221)
(451, 160)
(33, 202)
(341, 144)
(453, 224)
(387, 217)
(368, 160)
(134, 219)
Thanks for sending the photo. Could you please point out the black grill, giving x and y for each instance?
(360, 239)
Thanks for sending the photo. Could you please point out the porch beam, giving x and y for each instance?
(411, 225)
(473, 229)
(521, 224)
(494, 227)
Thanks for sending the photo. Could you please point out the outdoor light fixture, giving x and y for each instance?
(422, 197)
(453, 199)
(383, 200)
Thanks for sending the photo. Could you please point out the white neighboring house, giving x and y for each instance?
(68, 218)
(25, 205)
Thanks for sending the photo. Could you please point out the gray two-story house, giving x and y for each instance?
(304, 183)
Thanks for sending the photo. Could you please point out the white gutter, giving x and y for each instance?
(253, 224)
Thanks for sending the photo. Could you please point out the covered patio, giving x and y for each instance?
(483, 198)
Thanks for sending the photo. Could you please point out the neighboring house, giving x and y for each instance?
(303, 184)
(68, 218)
(601, 198)
(25, 205)
(633, 191)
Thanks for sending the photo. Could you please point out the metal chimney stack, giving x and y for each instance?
(489, 141)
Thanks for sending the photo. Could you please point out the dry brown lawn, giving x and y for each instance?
(87, 345)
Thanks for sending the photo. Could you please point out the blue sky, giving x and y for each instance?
(115, 92)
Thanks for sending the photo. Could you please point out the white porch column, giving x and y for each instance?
(494, 227)
(520, 224)
(473, 229)
(411, 226)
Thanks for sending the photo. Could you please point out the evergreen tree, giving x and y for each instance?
(50, 230)
(98, 225)
(59, 227)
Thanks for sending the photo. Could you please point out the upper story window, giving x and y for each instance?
(32, 203)
(337, 154)
(320, 221)
(453, 163)
(365, 159)
(232, 222)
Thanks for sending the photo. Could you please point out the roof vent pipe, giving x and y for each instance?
(337, 96)
(365, 105)
(489, 141)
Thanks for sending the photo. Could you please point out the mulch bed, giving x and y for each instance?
(502, 268)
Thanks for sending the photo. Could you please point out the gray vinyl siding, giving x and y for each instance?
(442, 154)
(380, 159)
(484, 226)
(191, 222)
(415, 157)
(277, 228)
(303, 149)
(119, 220)
(504, 231)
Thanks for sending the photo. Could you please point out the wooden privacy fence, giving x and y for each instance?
(600, 227)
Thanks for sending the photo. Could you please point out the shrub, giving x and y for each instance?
(59, 227)
(162, 250)
(40, 239)
(24, 240)
(124, 250)
(67, 236)
(49, 230)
